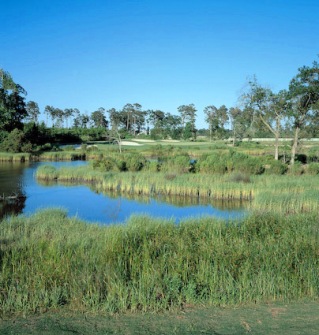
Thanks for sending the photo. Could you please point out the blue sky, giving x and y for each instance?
(88, 54)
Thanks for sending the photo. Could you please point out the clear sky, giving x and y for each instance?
(88, 54)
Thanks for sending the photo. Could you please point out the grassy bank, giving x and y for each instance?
(261, 319)
(48, 156)
(280, 193)
(50, 261)
(14, 157)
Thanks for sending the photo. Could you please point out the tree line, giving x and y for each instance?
(260, 112)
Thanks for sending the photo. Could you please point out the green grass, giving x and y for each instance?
(261, 319)
(61, 155)
(14, 157)
(278, 193)
(49, 262)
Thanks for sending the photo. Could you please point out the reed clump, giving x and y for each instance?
(62, 155)
(14, 157)
(49, 261)
(279, 193)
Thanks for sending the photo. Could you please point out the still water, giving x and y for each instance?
(89, 205)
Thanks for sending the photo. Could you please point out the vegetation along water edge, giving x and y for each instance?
(50, 261)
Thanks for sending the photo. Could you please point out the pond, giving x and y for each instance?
(87, 204)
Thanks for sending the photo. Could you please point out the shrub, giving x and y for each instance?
(212, 164)
(152, 166)
(277, 167)
(15, 142)
(250, 165)
(232, 161)
(134, 162)
(313, 154)
(296, 169)
(105, 164)
(312, 169)
(177, 164)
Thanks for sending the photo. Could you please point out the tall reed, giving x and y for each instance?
(284, 194)
(49, 261)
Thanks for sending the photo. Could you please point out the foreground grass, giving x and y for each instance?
(50, 261)
(261, 319)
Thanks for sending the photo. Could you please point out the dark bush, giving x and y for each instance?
(302, 158)
(177, 164)
(15, 141)
(134, 162)
(105, 164)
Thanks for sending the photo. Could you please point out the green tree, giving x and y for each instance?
(68, 112)
(304, 97)
(98, 118)
(114, 117)
(216, 119)
(269, 108)
(33, 111)
(12, 103)
(50, 112)
(15, 141)
(76, 119)
(59, 114)
(210, 115)
(156, 119)
(188, 114)
(172, 126)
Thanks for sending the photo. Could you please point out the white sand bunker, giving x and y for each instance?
(143, 140)
(130, 143)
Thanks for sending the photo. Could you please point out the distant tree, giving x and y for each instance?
(76, 119)
(216, 119)
(156, 119)
(236, 125)
(114, 117)
(98, 118)
(84, 121)
(304, 97)
(172, 125)
(134, 118)
(59, 114)
(242, 123)
(268, 107)
(33, 111)
(188, 114)
(210, 115)
(127, 114)
(50, 112)
(68, 112)
(187, 131)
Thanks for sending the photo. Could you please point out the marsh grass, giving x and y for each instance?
(280, 193)
(49, 261)
(14, 157)
(62, 155)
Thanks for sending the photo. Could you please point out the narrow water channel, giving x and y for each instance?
(18, 179)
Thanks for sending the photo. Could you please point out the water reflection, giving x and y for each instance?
(12, 195)
(90, 204)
